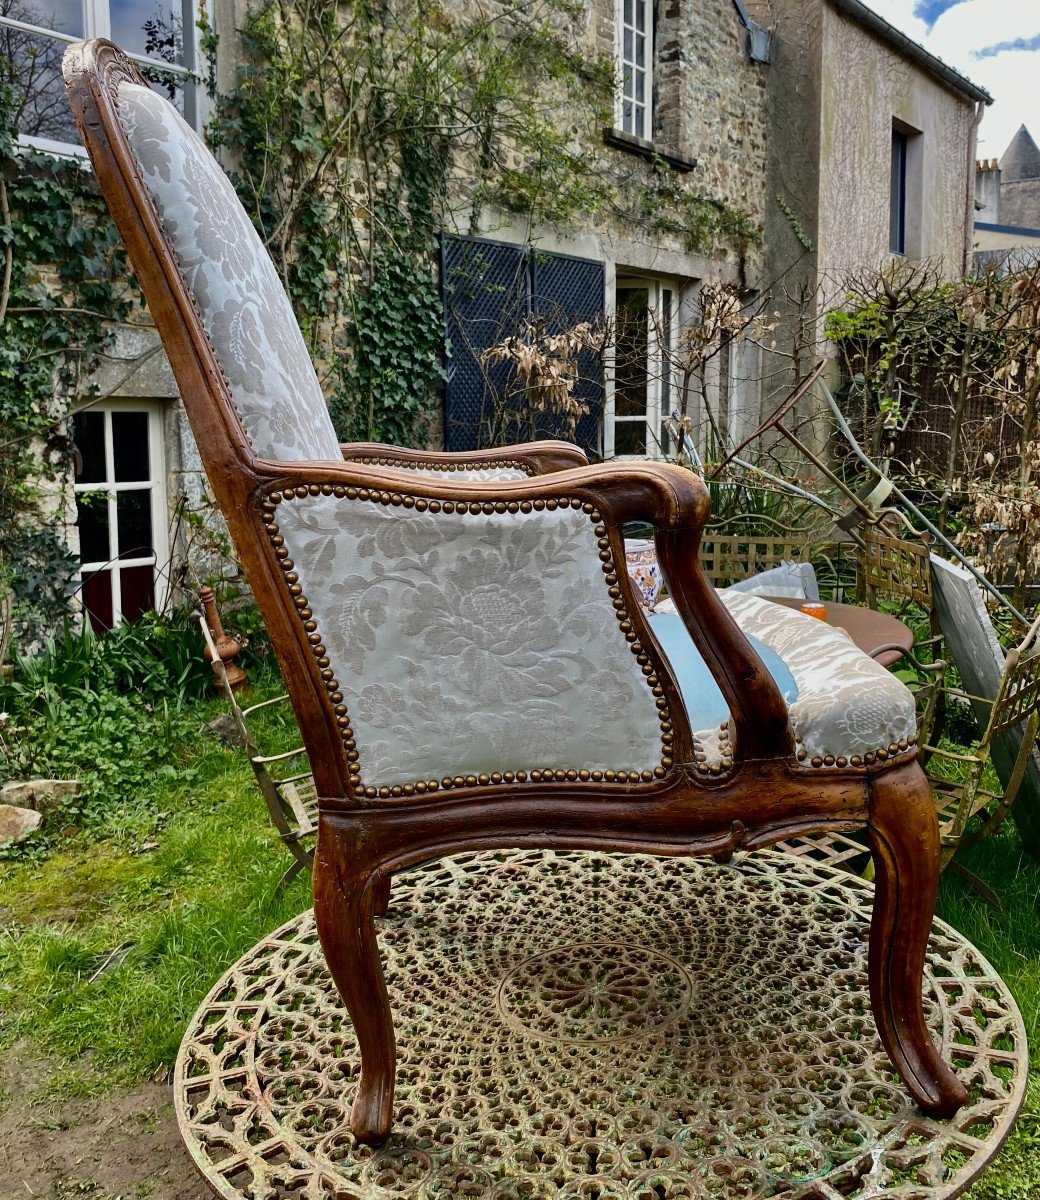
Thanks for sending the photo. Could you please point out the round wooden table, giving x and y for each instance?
(867, 628)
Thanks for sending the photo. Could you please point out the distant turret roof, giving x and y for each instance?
(1021, 160)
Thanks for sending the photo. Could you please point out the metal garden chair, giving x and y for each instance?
(899, 569)
(969, 812)
(467, 660)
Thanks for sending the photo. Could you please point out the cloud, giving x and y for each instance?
(1020, 43)
(930, 11)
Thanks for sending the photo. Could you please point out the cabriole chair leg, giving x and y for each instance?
(344, 900)
(904, 842)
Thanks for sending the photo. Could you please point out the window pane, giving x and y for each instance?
(630, 437)
(630, 371)
(66, 16)
(138, 592)
(897, 197)
(97, 599)
(31, 67)
(640, 51)
(640, 82)
(134, 522)
(666, 362)
(627, 52)
(151, 27)
(130, 446)
(628, 12)
(92, 520)
(639, 129)
(88, 432)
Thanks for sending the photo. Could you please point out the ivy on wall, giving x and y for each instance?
(63, 280)
(357, 132)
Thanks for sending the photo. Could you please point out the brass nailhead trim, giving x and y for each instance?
(446, 468)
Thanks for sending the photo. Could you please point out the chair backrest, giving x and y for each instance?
(896, 567)
(228, 277)
(1019, 694)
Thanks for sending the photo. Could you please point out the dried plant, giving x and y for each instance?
(547, 369)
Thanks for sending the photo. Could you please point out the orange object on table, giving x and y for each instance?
(814, 608)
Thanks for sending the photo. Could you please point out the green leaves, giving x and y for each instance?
(68, 284)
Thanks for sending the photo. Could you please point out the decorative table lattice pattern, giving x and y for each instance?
(592, 1026)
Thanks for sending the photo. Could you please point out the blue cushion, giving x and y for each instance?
(701, 693)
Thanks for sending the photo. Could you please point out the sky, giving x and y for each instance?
(996, 43)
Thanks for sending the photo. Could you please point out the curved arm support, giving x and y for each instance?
(763, 725)
(676, 503)
(537, 458)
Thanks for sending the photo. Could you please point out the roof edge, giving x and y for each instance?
(913, 50)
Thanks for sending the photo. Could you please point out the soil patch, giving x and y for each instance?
(121, 1145)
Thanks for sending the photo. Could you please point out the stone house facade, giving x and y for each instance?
(793, 126)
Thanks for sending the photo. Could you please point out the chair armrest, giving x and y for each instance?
(670, 498)
(532, 458)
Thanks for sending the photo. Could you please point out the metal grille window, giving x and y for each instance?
(635, 48)
(158, 34)
(121, 509)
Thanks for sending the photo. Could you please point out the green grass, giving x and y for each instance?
(170, 889)
(170, 876)
(1011, 942)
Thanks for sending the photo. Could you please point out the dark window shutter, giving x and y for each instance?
(564, 292)
(489, 289)
(485, 298)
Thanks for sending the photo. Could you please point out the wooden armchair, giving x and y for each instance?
(467, 660)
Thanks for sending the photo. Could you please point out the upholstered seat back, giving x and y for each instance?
(233, 282)
(471, 644)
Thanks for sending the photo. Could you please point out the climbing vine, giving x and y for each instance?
(358, 131)
(63, 279)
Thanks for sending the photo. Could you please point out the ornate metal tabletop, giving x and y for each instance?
(585, 1025)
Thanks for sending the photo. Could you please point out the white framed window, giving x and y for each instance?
(158, 34)
(635, 55)
(646, 321)
(121, 510)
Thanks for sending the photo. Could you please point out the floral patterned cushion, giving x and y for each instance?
(471, 643)
(229, 273)
(847, 705)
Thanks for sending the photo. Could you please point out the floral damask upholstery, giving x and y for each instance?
(240, 298)
(847, 706)
(471, 643)
(472, 474)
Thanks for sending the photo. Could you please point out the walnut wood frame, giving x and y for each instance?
(761, 795)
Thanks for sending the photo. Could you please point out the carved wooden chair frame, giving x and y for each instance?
(762, 795)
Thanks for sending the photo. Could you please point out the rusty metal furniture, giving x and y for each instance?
(969, 812)
(730, 552)
(570, 1053)
(898, 569)
(292, 798)
(467, 659)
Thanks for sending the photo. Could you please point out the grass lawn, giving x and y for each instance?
(114, 927)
